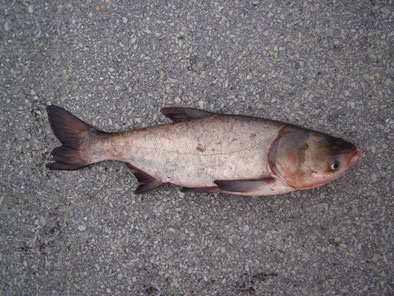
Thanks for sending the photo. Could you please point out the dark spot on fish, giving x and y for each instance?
(253, 135)
(306, 145)
(234, 139)
(219, 143)
(212, 149)
(200, 148)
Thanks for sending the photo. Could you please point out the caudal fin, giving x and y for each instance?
(76, 136)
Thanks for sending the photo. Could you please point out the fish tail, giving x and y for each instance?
(77, 137)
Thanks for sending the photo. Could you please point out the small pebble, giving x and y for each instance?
(82, 227)
(373, 177)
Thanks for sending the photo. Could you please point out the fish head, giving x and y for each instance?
(305, 158)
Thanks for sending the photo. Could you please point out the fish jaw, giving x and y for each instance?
(355, 158)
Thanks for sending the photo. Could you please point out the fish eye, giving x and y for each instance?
(335, 165)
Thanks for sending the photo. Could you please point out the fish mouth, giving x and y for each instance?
(354, 159)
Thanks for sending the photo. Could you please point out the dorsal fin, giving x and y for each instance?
(179, 114)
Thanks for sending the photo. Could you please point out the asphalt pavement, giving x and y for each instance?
(325, 65)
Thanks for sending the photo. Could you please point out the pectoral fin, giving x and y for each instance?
(178, 114)
(244, 185)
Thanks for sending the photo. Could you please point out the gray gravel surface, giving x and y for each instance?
(326, 65)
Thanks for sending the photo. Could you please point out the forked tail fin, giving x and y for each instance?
(77, 137)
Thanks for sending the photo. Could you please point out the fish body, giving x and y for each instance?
(207, 152)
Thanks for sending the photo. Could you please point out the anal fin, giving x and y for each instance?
(244, 185)
(210, 189)
(147, 182)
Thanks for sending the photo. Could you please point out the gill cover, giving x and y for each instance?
(305, 158)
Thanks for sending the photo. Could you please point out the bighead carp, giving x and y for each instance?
(208, 152)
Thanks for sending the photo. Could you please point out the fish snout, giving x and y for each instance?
(354, 159)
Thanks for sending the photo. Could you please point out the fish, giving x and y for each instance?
(202, 151)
